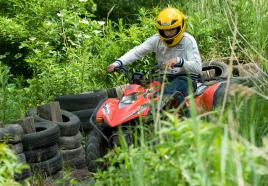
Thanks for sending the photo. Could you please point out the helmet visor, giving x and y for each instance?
(164, 35)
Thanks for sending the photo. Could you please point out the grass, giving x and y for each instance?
(229, 148)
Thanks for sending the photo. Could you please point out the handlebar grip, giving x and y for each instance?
(177, 65)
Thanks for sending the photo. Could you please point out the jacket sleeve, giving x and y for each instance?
(139, 51)
(192, 63)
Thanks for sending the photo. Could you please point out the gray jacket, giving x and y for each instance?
(186, 52)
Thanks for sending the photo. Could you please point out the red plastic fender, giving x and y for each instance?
(204, 102)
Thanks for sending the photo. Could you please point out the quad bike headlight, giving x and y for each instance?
(129, 99)
(138, 111)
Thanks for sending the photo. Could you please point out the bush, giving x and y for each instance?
(187, 152)
(9, 166)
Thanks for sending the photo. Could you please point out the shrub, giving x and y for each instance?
(9, 166)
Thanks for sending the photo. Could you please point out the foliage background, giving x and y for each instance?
(58, 47)
(62, 47)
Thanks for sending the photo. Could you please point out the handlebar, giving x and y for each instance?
(125, 71)
(137, 76)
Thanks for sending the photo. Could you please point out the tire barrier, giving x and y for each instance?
(69, 141)
(248, 71)
(214, 69)
(74, 157)
(84, 116)
(47, 134)
(81, 101)
(12, 134)
(68, 127)
(72, 151)
(41, 149)
(50, 166)
(41, 154)
(25, 173)
(83, 105)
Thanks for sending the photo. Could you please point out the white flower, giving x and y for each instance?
(85, 21)
(48, 23)
(82, 1)
(60, 14)
(87, 36)
(101, 23)
(79, 35)
(96, 31)
(32, 38)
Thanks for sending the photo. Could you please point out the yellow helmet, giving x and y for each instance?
(170, 18)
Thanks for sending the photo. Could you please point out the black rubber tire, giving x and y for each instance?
(41, 154)
(85, 126)
(74, 158)
(70, 142)
(25, 173)
(78, 163)
(12, 133)
(96, 147)
(221, 68)
(81, 101)
(72, 153)
(68, 127)
(84, 116)
(47, 134)
(50, 166)
(21, 158)
(17, 148)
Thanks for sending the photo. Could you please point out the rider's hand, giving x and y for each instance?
(111, 67)
(169, 64)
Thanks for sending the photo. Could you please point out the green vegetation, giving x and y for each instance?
(51, 48)
(9, 166)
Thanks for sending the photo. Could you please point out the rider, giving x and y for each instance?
(176, 52)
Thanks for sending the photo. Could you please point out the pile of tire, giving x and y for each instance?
(70, 139)
(12, 134)
(82, 105)
(41, 148)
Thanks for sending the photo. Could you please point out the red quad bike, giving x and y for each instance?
(137, 102)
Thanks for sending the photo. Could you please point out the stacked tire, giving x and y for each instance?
(70, 139)
(12, 134)
(41, 148)
(84, 116)
(83, 105)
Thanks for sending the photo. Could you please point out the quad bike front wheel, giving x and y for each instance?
(121, 137)
(96, 148)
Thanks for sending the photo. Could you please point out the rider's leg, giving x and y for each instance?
(179, 84)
